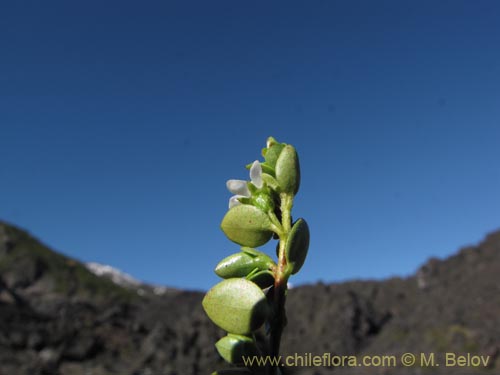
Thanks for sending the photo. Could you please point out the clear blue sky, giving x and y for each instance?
(120, 122)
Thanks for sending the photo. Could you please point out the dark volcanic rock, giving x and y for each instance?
(58, 318)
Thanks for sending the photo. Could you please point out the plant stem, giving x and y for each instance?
(278, 228)
(280, 285)
(281, 277)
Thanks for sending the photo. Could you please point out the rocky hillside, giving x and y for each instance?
(57, 317)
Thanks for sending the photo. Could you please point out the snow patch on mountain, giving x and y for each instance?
(118, 277)
(124, 279)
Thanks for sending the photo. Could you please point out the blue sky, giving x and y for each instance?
(121, 121)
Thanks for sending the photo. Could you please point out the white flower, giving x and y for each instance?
(239, 187)
(256, 174)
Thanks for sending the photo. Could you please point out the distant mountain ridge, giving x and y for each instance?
(58, 317)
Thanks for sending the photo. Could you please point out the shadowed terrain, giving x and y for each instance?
(57, 317)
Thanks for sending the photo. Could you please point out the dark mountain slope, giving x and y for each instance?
(450, 305)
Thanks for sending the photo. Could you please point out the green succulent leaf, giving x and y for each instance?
(270, 180)
(247, 226)
(251, 251)
(233, 371)
(272, 154)
(288, 170)
(271, 141)
(233, 347)
(297, 245)
(242, 263)
(264, 279)
(236, 305)
(263, 201)
(267, 169)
